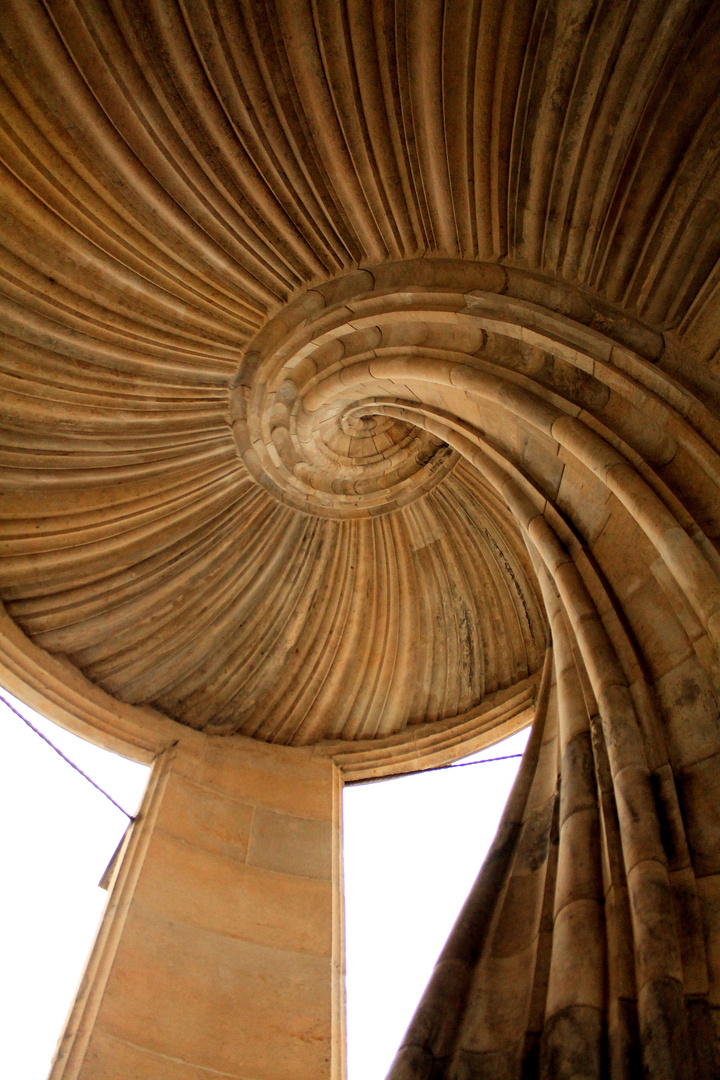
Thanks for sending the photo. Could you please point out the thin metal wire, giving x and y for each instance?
(434, 768)
(65, 758)
(350, 783)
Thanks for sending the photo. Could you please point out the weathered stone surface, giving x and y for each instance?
(358, 360)
(214, 957)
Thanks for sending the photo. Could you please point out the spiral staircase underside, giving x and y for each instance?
(359, 367)
(277, 276)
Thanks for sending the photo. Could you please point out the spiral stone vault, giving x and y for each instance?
(360, 377)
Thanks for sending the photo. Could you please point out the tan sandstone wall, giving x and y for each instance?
(219, 953)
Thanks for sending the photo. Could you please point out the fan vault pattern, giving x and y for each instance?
(171, 175)
(351, 355)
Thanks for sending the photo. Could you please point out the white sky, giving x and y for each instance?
(412, 850)
(57, 835)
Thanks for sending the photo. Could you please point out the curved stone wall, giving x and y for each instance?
(353, 355)
(174, 176)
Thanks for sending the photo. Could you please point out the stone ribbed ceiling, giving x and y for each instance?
(230, 234)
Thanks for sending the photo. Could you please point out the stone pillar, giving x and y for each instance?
(220, 952)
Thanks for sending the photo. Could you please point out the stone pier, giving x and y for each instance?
(220, 952)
